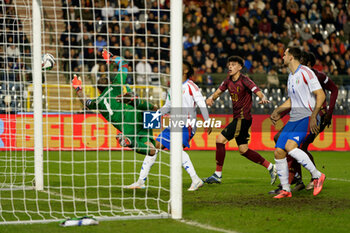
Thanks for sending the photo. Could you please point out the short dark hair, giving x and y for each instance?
(190, 72)
(296, 52)
(102, 83)
(237, 59)
(304, 60)
(312, 59)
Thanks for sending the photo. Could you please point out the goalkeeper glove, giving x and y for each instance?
(76, 83)
(106, 55)
(118, 60)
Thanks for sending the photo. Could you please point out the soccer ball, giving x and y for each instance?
(47, 61)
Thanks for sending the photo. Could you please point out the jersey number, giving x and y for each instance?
(234, 97)
(108, 106)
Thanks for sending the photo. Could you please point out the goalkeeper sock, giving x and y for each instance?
(256, 158)
(220, 156)
(282, 172)
(146, 167)
(304, 160)
(187, 164)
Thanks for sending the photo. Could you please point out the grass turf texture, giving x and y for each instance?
(241, 202)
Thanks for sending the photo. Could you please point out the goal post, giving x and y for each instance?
(37, 97)
(176, 101)
(59, 159)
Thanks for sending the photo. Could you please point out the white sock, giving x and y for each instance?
(187, 164)
(219, 174)
(282, 172)
(305, 161)
(146, 167)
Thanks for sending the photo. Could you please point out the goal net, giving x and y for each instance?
(85, 170)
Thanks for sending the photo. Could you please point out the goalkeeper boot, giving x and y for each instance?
(283, 194)
(196, 185)
(123, 141)
(136, 185)
(214, 179)
(273, 174)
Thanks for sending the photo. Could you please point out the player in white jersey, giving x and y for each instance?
(305, 100)
(191, 98)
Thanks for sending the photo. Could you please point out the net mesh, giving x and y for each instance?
(85, 168)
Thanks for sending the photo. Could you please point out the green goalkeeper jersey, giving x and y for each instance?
(127, 118)
(111, 106)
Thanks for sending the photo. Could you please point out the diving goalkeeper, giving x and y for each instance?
(119, 106)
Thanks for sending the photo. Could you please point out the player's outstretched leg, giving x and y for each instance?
(151, 153)
(146, 167)
(188, 166)
(257, 158)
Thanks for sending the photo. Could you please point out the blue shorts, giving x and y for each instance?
(294, 130)
(164, 137)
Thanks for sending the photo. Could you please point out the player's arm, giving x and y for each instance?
(330, 86)
(315, 87)
(77, 85)
(167, 106)
(199, 100)
(263, 99)
(276, 114)
(122, 66)
(320, 98)
(213, 97)
(248, 83)
(144, 105)
(128, 97)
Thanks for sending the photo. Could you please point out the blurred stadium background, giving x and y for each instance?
(259, 31)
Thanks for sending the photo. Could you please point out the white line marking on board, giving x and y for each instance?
(205, 226)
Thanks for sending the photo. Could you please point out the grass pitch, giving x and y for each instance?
(241, 202)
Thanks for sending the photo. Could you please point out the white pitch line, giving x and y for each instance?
(260, 178)
(205, 226)
(337, 179)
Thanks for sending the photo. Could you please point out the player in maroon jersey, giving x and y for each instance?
(295, 176)
(241, 88)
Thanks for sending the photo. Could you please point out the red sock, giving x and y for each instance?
(297, 167)
(220, 156)
(291, 168)
(256, 158)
